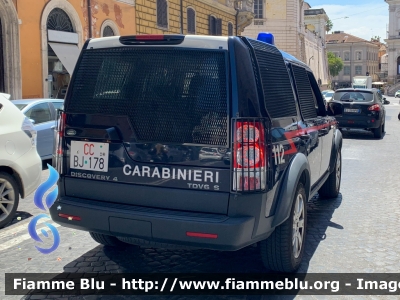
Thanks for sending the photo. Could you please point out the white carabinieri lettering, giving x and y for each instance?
(171, 173)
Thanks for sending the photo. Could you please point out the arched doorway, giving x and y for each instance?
(62, 52)
(398, 65)
(2, 87)
(61, 31)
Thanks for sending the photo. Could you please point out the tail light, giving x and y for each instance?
(374, 107)
(59, 143)
(30, 131)
(249, 156)
(152, 39)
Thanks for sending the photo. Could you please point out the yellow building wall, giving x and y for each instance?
(276, 9)
(147, 20)
(30, 14)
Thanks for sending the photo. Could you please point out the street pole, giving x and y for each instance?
(351, 62)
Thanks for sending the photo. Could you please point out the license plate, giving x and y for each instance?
(352, 110)
(89, 156)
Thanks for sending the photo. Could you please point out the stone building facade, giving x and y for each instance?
(40, 41)
(209, 17)
(298, 30)
(393, 44)
(359, 57)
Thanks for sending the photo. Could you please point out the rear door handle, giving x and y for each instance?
(324, 130)
(305, 137)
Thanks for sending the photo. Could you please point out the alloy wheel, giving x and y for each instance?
(7, 198)
(338, 170)
(298, 226)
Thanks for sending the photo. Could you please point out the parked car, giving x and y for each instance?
(42, 113)
(329, 95)
(359, 109)
(214, 95)
(397, 94)
(20, 164)
(324, 92)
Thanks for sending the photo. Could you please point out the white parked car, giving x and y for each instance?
(20, 164)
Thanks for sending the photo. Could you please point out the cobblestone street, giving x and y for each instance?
(356, 232)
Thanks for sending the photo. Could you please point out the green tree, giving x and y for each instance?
(328, 25)
(335, 64)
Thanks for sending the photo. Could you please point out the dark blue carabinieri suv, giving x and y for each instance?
(194, 141)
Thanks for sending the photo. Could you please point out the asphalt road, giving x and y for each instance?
(356, 232)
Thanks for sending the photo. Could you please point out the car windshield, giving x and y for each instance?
(354, 96)
(20, 106)
(330, 94)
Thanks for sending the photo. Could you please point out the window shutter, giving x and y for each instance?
(230, 29)
(162, 13)
(218, 27)
(191, 21)
(211, 25)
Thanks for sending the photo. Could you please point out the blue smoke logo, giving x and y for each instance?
(50, 199)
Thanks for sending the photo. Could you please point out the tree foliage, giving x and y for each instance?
(328, 25)
(335, 64)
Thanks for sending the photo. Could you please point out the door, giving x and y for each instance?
(41, 116)
(311, 121)
(325, 130)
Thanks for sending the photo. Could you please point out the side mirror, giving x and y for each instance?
(32, 120)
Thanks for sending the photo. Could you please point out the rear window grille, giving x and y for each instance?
(306, 97)
(169, 95)
(278, 93)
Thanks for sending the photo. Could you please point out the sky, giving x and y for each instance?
(365, 18)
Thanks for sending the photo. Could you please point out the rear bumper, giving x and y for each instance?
(158, 225)
(29, 169)
(361, 122)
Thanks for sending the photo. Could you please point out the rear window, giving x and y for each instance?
(170, 95)
(20, 106)
(354, 96)
(328, 94)
(58, 105)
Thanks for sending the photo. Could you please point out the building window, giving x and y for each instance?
(108, 31)
(336, 54)
(162, 14)
(230, 29)
(346, 70)
(358, 55)
(258, 12)
(214, 26)
(191, 21)
(59, 20)
(346, 56)
(358, 70)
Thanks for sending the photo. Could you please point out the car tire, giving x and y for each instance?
(378, 132)
(331, 187)
(10, 199)
(107, 240)
(280, 252)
